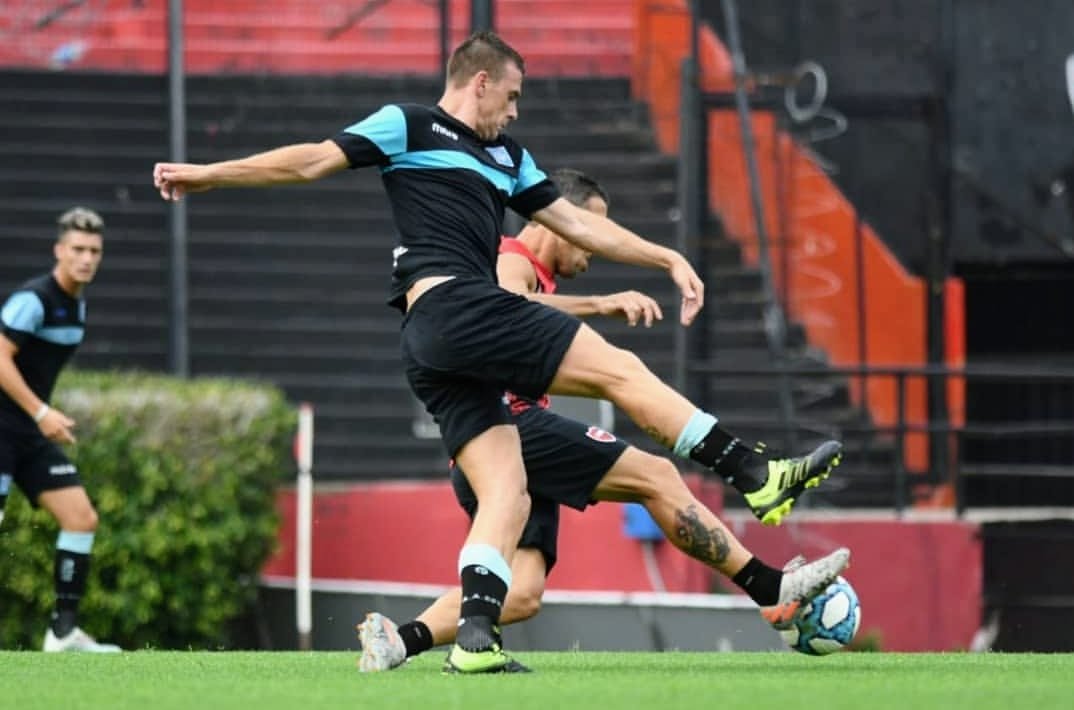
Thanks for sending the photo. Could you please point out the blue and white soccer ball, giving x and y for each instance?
(828, 623)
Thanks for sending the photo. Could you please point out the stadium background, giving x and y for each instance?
(931, 229)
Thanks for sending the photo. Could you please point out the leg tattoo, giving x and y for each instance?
(709, 546)
(657, 436)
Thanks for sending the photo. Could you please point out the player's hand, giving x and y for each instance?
(57, 426)
(174, 180)
(633, 306)
(692, 288)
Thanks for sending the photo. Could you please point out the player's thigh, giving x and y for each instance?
(39, 466)
(492, 463)
(565, 459)
(71, 507)
(637, 476)
(592, 366)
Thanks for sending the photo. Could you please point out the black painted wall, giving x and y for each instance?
(1012, 124)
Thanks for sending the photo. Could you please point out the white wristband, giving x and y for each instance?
(41, 412)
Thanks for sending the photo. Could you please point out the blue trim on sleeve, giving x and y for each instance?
(386, 128)
(451, 159)
(23, 311)
(61, 334)
(528, 173)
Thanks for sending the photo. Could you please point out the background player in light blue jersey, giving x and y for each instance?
(41, 326)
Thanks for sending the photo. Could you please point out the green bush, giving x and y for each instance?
(184, 476)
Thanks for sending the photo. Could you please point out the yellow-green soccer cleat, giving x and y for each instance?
(788, 478)
(490, 660)
(490, 657)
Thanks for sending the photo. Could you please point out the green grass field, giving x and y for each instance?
(156, 680)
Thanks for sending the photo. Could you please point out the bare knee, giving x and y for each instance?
(82, 518)
(523, 603)
(662, 481)
(621, 368)
(529, 606)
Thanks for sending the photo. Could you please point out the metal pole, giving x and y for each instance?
(482, 15)
(445, 33)
(940, 226)
(689, 226)
(304, 529)
(179, 352)
(773, 317)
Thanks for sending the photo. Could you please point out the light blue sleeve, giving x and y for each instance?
(23, 312)
(528, 173)
(386, 128)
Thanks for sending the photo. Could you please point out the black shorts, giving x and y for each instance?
(466, 340)
(565, 460)
(35, 464)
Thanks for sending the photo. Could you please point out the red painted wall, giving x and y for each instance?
(920, 582)
(557, 37)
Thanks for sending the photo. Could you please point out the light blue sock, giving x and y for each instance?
(696, 429)
(78, 542)
(487, 556)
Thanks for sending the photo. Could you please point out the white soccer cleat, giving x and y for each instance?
(801, 582)
(382, 647)
(77, 640)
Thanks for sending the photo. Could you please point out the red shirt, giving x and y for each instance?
(546, 283)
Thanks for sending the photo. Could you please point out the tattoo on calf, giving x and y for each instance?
(699, 542)
(657, 436)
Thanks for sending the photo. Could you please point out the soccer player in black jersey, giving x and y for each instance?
(42, 325)
(576, 464)
(449, 172)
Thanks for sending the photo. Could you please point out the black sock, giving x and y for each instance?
(70, 572)
(482, 601)
(760, 581)
(416, 637)
(482, 593)
(731, 459)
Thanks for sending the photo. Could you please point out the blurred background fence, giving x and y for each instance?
(887, 235)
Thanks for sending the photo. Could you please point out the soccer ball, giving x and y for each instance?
(827, 623)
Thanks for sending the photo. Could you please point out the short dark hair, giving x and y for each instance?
(482, 51)
(80, 219)
(578, 187)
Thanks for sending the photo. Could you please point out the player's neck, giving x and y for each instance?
(541, 244)
(67, 284)
(457, 105)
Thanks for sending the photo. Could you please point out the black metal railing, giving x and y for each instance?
(1015, 445)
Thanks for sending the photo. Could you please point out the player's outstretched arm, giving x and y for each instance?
(632, 306)
(515, 273)
(603, 236)
(302, 162)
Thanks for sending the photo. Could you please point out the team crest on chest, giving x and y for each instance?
(500, 155)
(597, 434)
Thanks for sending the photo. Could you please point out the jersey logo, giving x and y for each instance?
(396, 253)
(437, 128)
(597, 434)
(500, 155)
